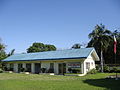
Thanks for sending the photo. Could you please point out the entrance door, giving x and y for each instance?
(62, 68)
(28, 67)
(19, 67)
(37, 68)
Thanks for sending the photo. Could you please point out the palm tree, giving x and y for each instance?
(100, 38)
(12, 52)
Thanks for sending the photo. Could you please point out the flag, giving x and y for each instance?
(115, 43)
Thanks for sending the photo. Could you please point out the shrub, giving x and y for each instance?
(97, 67)
(43, 70)
(70, 70)
(106, 68)
(1, 71)
(76, 70)
(118, 71)
(22, 69)
(115, 69)
(51, 70)
(92, 71)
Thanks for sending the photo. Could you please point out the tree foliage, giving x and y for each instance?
(40, 47)
(3, 54)
(76, 46)
(109, 56)
(102, 40)
(11, 53)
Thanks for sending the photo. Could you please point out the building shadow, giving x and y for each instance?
(109, 84)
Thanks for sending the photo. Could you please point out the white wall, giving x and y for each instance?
(33, 67)
(92, 64)
(56, 68)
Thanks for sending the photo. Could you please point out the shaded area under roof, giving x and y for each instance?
(52, 55)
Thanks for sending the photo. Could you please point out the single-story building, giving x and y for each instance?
(58, 62)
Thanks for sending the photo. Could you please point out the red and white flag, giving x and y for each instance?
(115, 43)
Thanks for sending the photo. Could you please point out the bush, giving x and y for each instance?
(118, 71)
(70, 70)
(1, 71)
(76, 70)
(97, 67)
(22, 69)
(51, 70)
(43, 70)
(114, 70)
(106, 68)
(93, 71)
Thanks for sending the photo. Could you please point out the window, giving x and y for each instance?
(92, 63)
(88, 65)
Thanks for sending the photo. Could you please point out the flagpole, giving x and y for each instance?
(116, 67)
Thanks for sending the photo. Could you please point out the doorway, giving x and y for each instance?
(37, 68)
(28, 67)
(19, 67)
(62, 68)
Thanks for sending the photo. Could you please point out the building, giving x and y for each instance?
(58, 62)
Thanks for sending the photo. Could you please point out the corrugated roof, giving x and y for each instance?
(52, 55)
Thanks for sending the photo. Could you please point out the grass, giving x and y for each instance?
(16, 81)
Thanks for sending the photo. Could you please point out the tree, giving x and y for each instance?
(40, 47)
(76, 46)
(109, 56)
(100, 38)
(3, 54)
(12, 52)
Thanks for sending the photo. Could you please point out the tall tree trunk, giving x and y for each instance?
(101, 60)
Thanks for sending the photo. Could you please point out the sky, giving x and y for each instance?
(58, 22)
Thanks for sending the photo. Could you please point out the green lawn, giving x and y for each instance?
(46, 82)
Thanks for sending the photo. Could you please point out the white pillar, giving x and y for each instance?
(56, 68)
(67, 68)
(82, 67)
(32, 67)
(15, 67)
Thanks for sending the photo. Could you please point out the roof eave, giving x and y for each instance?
(47, 59)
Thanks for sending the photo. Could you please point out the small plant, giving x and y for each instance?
(97, 67)
(93, 71)
(51, 70)
(115, 69)
(22, 70)
(106, 68)
(76, 70)
(70, 70)
(43, 70)
(1, 71)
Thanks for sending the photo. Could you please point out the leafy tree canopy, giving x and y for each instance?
(102, 40)
(3, 55)
(40, 47)
(2, 51)
(76, 46)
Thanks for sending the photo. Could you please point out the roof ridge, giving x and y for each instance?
(53, 51)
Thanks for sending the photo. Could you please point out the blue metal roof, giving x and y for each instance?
(52, 55)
